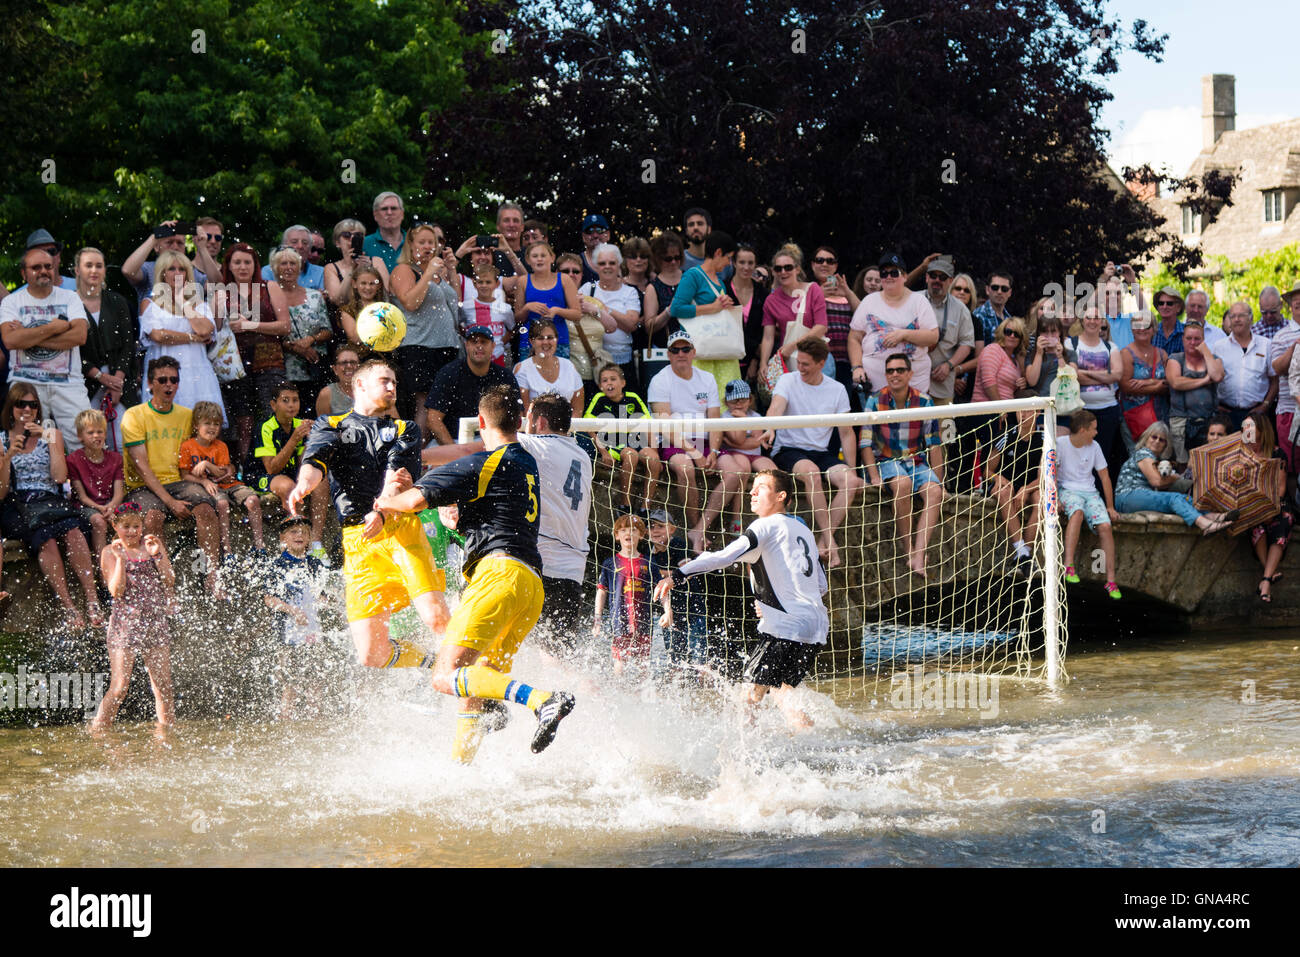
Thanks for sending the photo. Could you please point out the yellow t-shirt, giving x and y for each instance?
(161, 433)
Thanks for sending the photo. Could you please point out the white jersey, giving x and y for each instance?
(565, 472)
(786, 573)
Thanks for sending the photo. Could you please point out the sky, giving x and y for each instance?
(1155, 115)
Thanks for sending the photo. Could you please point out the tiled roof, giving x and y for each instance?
(1268, 157)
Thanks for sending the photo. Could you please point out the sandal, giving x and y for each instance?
(1262, 596)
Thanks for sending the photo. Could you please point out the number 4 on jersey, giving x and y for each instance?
(573, 485)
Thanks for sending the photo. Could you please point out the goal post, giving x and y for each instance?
(977, 609)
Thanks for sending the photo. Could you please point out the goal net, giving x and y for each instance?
(983, 606)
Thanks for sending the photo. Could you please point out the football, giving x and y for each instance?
(381, 326)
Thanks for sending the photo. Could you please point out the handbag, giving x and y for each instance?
(223, 353)
(1065, 391)
(1140, 418)
(776, 364)
(719, 336)
(588, 358)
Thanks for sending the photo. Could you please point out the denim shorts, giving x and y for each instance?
(920, 473)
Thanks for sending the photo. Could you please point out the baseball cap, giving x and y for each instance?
(944, 265)
(681, 335)
(42, 237)
(659, 517)
(594, 219)
(892, 259)
(478, 330)
(737, 389)
(289, 521)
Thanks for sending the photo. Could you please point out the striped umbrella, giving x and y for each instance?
(1227, 476)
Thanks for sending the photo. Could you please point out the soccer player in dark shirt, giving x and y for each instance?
(387, 561)
(498, 494)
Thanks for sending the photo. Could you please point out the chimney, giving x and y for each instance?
(1218, 107)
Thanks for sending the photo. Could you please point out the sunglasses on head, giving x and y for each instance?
(678, 350)
(890, 273)
(167, 379)
(27, 404)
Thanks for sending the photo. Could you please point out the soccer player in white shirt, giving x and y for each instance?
(565, 471)
(788, 581)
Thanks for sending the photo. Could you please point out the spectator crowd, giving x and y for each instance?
(189, 400)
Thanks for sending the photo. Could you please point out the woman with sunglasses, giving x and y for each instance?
(841, 301)
(794, 309)
(348, 235)
(1141, 488)
(32, 472)
(173, 324)
(896, 319)
(667, 253)
(1001, 368)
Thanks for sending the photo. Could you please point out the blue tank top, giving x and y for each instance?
(547, 297)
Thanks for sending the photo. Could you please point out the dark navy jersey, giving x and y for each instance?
(498, 495)
(355, 451)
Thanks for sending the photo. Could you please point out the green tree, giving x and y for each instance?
(261, 114)
(1240, 280)
(920, 125)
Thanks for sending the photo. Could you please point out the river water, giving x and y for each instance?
(1155, 754)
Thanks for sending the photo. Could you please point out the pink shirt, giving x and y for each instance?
(780, 310)
(995, 367)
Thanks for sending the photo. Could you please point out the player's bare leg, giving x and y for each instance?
(376, 649)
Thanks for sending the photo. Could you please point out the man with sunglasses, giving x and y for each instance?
(956, 330)
(1271, 321)
(992, 312)
(209, 234)
(906, 456)
(44, 327)
(152, 433)
(41, 239)
(1169, 331)
(595, 230)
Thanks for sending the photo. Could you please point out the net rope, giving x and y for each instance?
(977, 611)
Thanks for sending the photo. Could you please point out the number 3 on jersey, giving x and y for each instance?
(807, 557)
(531, 514)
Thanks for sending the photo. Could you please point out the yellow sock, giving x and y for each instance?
(466, 743)
(537, 698)
(479, 681)
(407, 655)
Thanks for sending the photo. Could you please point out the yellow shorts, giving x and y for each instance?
(383, 574)
(498, 609)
